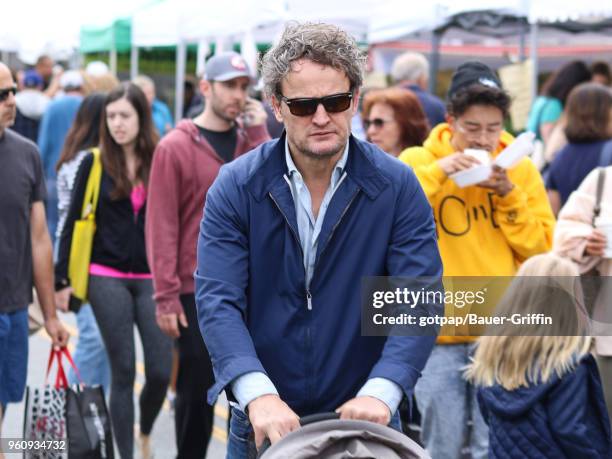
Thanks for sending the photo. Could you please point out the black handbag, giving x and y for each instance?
(88, 424)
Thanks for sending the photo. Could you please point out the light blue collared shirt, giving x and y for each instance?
(249, 386)
(309, 227)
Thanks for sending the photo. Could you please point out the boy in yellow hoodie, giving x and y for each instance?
(487, 229)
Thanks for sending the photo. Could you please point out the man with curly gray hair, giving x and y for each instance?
(289, 231)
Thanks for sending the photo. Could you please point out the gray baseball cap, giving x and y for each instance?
(225, 67)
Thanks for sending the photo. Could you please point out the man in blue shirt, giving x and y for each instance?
(162, 118)
(52, 132)
(289, 231)
(411, 71)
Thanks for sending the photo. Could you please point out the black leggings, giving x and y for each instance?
(118, 304)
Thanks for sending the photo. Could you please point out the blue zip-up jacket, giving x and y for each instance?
(254, 310)
(562, 418)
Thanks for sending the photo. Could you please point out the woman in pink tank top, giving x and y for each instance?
(120, 287)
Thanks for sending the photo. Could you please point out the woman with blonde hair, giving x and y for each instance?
(539, 387)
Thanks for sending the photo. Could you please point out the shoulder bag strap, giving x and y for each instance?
(92, 190)
(601, 176)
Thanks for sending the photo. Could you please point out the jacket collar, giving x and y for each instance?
(360, 167)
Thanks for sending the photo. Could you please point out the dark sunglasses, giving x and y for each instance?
(376, 122)
(307, 106)
(4, 93)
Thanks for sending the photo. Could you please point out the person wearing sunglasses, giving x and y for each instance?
(486, 229)
(289, 231)
(394, 119)
(25, 249)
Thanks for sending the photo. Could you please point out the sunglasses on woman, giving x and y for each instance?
(306, 106)
(4, 93)
(376, 122)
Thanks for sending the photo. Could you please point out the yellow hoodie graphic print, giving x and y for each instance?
(480, 233)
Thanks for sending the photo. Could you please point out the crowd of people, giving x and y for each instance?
(280, 229)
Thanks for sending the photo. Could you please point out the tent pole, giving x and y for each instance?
(113, 60)
(523, 43)
(76, 60)
(133, 62)
(533, 49)
(181, 62)
(203, 49)
(434, 60)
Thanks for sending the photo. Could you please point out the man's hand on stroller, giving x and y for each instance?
(271, 418)
(366, 409)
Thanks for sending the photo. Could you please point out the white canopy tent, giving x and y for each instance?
(397, 19)
(29, 32)
(180, 22)
(53, 27)
(159, 24)
(537, 20)
(172, 21)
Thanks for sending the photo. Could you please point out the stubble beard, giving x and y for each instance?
(221, 115)
(322, 155)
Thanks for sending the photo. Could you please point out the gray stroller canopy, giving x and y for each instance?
(340, 439)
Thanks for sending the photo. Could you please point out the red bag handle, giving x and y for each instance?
(66, 352)
(61, 381)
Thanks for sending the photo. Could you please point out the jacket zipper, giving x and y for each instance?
(297, 238)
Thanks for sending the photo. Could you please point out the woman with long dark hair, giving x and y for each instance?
(548, 106)
(90, 354)
(84, 134)
(120, 287)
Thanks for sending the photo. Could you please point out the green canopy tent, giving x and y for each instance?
(113, 34)
(114, 38)
(117, 36)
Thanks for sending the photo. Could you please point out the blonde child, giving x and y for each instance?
(540, 392)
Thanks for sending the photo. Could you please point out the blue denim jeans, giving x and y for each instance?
(90, 354)
(241, 443)
(446, 402)
(13, 356)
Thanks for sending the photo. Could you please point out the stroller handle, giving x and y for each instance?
(304, 421)
(311, 419)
